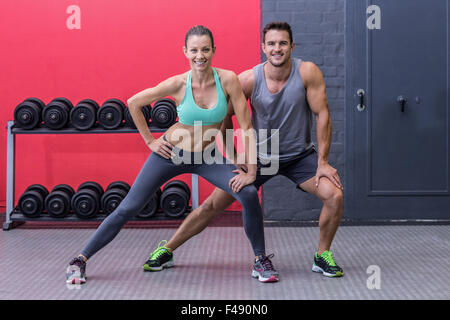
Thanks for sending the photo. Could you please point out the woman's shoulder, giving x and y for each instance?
(177, 80)
(224, 72)
(226, 76)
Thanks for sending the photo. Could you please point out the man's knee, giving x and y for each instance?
(335, 198)
(217, 202)
(207, 207)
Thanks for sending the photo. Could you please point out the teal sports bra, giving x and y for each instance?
(189, 112)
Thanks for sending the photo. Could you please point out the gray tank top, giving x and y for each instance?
(286, 116)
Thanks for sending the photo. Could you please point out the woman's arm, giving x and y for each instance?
(135, 104)
(239, 103)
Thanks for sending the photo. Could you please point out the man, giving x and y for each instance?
(284, 92)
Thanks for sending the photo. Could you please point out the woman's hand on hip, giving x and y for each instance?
(241, 180)
(161, 147)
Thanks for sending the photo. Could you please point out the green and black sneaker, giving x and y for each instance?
(159, 259)
(325, 264)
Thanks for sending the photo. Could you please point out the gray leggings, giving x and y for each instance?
(158, 170)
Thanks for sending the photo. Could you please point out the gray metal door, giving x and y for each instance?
(397, 140)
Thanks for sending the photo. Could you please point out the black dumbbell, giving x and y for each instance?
(28, 114)
(164, 113)
(85, 202)
(146, 110)
(31, 202)
(84, 115)
(110, 115)
(175, 198)
(152, 206)
(57, 203)
(56, 114)
(113, 196)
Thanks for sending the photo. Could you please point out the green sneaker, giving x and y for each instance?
(159, 259)
(325, 264)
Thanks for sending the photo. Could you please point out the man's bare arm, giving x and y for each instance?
(317, 100)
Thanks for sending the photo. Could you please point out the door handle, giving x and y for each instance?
(402, 100)
(361, 105)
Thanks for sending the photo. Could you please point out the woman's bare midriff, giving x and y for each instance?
(192, 138)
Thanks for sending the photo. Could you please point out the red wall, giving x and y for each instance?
(122, 48)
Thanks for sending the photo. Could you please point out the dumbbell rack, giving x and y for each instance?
(15, 218)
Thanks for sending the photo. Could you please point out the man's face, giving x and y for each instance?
(277, 47)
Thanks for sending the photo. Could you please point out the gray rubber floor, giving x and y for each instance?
(380, 262)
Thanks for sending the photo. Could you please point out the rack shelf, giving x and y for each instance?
(14, 217)
(20, 217)
(41, 129)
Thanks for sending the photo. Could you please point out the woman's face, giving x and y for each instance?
(199, 52)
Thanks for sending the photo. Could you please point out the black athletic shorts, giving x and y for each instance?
(298, 169)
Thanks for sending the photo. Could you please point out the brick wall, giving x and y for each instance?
(318, 31)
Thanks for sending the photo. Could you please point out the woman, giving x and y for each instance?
(202, 96)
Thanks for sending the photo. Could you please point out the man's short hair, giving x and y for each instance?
(278, 25)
